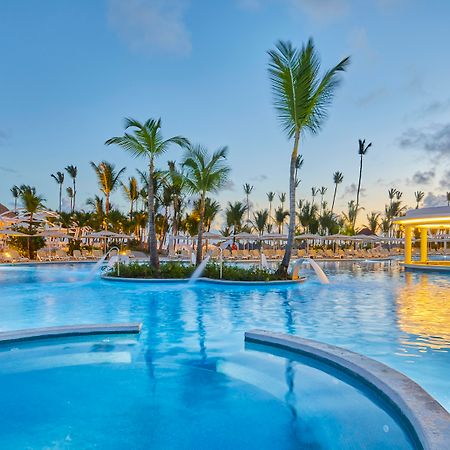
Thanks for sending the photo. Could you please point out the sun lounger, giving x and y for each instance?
(78, 255)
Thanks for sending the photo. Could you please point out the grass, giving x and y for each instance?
(172, 270)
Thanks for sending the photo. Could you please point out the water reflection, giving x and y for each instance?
(423, 311)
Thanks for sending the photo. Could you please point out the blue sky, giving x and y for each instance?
(70, 71)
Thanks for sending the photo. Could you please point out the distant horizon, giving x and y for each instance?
(72, 72)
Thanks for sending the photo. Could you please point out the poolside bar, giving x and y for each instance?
(424, 220)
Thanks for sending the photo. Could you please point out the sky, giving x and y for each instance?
(71, 71)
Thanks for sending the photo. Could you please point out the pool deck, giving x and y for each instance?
(68, 331)
(427, 418)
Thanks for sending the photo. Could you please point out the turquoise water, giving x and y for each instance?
(188, 377)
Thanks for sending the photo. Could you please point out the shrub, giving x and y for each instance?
(172, 270)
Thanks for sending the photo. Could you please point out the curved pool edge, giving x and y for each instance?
(427, 418)
(205, 280)
(68, 331)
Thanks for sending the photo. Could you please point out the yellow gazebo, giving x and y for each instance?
(424, 219)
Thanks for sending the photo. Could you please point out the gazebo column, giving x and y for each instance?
(408, 244)
(423, 245)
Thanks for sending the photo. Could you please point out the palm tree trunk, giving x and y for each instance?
(282, 270)
(106, 210)
(198, 258)
(30, 227)
(359, 188)
(60, 197)
(152, 244)
(74, 194)
(334, 197)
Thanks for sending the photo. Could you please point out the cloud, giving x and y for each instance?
(151, 25)
(229, 186)
(322, 10)
(372, 97)
(434, 140)
(444, 183)
(425, 177)
(259, 178)
(434, 200)
(317, 10)
(8, 170)
(351, 191)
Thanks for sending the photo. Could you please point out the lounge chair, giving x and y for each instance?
(43, 255)
(61, 255)
(78, 255)
(12, 255)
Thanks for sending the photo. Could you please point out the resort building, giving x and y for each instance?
(425, 220)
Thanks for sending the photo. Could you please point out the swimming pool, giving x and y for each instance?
(191, 351)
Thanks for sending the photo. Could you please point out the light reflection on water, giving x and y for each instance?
(402, 319)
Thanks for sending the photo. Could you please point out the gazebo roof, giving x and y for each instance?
(438, 216)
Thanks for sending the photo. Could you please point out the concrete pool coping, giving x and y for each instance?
(205, 280)
(427, 418)
(68, 331)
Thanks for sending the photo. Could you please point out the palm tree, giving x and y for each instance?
(15, 191)
(204, 174)
(350, 217)
(32, 203)
(108, 180)
(73, 172)
(373, 222)
(260, 219)
(282, 198)
(322, 191)
(301, 98)
(280, 216)
(298, 166)
(247, 191)
(307, 216)
(419, 195)
(99, 210)
(314, 192)
(59, 178)
(234, 214)
(212, 208)
(176, 180)
(146, 140)
(131, 192)
(71, 195)
(270, 197)
(362, 150)
(448, 198)
(338, 178)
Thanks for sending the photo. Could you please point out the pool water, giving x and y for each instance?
(190, 360)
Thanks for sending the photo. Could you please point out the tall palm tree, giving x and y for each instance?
(280, 217)
(448, 198)
(247, 191)
(301, 98)
(71, 195)
(282, 198)
(234, 214)
(97, 204)
(15, 191)
(73, 172)
(373, 222)
(204, 174)
(59, 178)
(131, 192)
(108, 181)
(298, 165)
(322, 191)
(314, 192)
(260, 219)
(419, 195)
(146, 140)
(338, 178)
(362, 150)
(270, 197)
(32, 203)
(176, 180)
(212, 208)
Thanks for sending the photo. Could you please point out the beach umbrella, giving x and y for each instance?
(246, 236)
(54, 234)
(274, 237)
(13, 233)
(212, 235)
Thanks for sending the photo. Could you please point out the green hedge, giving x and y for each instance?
(171, 270)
